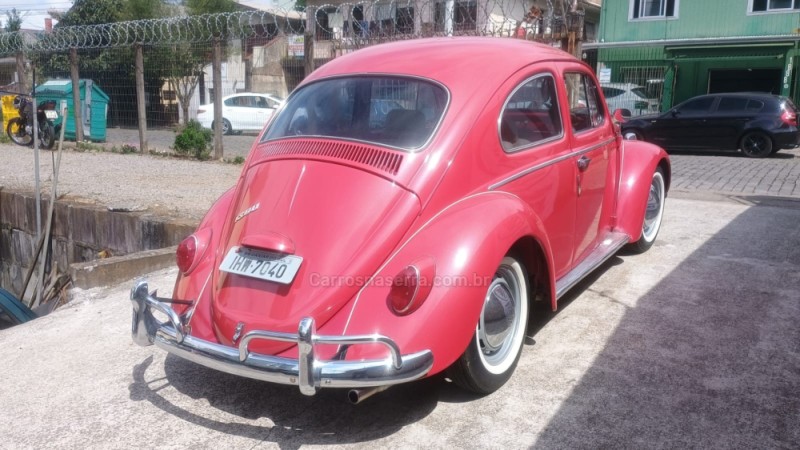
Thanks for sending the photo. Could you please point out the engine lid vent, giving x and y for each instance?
(384, 160)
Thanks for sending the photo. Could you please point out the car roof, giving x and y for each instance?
(757, 95)
(471, 62)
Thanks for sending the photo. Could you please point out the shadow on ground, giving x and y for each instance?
(781, 154)
(709, 358)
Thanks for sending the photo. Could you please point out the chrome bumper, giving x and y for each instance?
(307, 372)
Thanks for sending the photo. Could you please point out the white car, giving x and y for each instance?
(629, 96)
(247, 111)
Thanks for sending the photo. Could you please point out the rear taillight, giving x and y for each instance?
(411, 287)
(190, 250)
(789, 117)
(187, 250)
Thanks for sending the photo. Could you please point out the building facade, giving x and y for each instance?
(677, 49)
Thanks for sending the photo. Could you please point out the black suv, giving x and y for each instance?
(758, 124)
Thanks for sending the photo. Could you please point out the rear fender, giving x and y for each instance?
(639, 162)
(193, 286)
(466, 242)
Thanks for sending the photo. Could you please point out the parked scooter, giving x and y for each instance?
(20, 129)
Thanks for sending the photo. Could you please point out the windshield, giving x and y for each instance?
(640, 92)
(390, 111)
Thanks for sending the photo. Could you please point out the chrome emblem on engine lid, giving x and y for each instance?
(247, 211)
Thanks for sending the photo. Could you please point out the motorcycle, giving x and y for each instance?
(20, 129)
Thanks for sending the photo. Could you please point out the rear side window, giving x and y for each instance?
(754, 105)
(531, 114)
(732, 104)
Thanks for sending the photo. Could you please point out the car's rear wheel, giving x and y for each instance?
(226, 127)
(633, 135)
(496, 346)
(756, 144)
(653, 213)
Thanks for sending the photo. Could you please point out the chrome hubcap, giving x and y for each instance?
(652, 217)
(500, 316)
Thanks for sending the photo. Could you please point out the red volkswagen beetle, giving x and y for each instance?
(401, 212)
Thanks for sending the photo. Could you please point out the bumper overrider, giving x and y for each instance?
(307, 372)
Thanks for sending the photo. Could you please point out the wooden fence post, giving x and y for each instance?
(216, 69)
(140, 100)
(22, 79)
(308, 40)
(77, 114)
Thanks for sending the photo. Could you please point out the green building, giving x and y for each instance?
(677, 49)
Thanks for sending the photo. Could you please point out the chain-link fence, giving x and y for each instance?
(139, 81)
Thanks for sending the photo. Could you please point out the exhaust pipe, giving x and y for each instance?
(357, 396)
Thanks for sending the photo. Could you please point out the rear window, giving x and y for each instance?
(390, 111)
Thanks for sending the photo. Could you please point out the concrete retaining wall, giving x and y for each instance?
(80, 233)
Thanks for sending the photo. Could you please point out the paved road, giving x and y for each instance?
(693, 344)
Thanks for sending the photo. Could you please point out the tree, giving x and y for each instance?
(184, 74)
(13, 21)
(196, 7)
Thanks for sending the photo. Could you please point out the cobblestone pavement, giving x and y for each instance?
(735, 174)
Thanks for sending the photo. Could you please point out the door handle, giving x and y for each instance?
(583, 163)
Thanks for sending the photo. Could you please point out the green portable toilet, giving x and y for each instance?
(94, 107)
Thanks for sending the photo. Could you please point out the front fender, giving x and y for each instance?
(466, 241)
(639, 160)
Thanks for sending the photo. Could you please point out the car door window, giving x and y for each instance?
(610, 92)
(584, 109)
(696, 107)
(531, 114)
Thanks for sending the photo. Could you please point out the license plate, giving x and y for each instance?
(50, 114)
(261, 264)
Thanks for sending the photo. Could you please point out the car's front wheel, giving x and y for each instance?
(653, 213)
(756, 144)
(496, 346)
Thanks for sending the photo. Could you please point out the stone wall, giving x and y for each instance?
(80, 233)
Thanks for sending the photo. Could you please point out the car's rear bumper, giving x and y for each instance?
(787, 139)
(306, 371)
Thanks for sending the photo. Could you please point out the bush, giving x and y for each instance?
(194, 140)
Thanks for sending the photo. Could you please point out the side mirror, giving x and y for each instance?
(674, 112)
(622, 115)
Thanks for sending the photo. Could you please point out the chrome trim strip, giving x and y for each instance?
(307, 372)
(606, 249)
(539, 166)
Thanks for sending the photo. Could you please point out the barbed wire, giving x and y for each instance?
(404, 18)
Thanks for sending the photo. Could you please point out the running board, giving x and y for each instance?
(607, 248)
